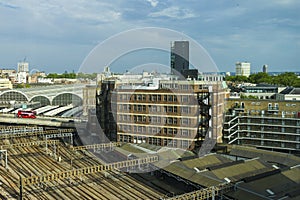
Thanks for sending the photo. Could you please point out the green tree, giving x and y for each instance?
(286, 79)
(260, 77)
(19, 85)
(236, 78)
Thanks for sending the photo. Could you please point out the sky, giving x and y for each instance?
(59, 35)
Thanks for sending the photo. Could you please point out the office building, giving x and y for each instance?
(179, 57)
(161, 111)
(242, 69)
(164, 114)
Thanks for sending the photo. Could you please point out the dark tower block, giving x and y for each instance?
(179, 57)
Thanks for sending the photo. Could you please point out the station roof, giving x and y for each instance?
(255, 178)
(276, 186)
(53, 90)
(274, 157)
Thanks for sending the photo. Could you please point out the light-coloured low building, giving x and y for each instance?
(45, 80)
(5, 84)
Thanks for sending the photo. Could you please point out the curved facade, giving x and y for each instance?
(13, 95)
(64, 99)
(44, 100)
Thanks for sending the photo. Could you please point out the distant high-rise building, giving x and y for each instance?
(23, 67)
(179, 57)
(265, 68)
(242, 69)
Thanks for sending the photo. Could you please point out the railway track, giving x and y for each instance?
(33, 160)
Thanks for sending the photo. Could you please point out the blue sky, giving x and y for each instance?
(57, 35)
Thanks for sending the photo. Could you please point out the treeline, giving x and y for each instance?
(72, 75)
(284, 79)
(64, 75)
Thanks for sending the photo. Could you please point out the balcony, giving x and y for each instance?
(238, 108)
(273, 108)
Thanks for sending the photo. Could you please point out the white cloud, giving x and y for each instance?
(77, 10)
(153, 2)
(286, 2)
(174, 12)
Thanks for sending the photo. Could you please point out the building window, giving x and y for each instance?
(185, 144)
(165, 97)
(175, 121)
(158, 120)
(175, 109)
(185, 109)
(154, 108)
(153, 98)
(120, 107)
(184, 87)
(184, 98)
(242, 105)
(184, 132)
(158, 97)
(184, 121)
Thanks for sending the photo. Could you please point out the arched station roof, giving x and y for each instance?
(55, 95)
(67, 98)
(13, 95)
(43, 99)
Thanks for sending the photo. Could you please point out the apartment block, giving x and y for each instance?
(267, 124)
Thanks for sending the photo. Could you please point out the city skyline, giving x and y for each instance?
(57, 37)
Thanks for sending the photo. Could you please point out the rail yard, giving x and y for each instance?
(45, 163)
(35, 168)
